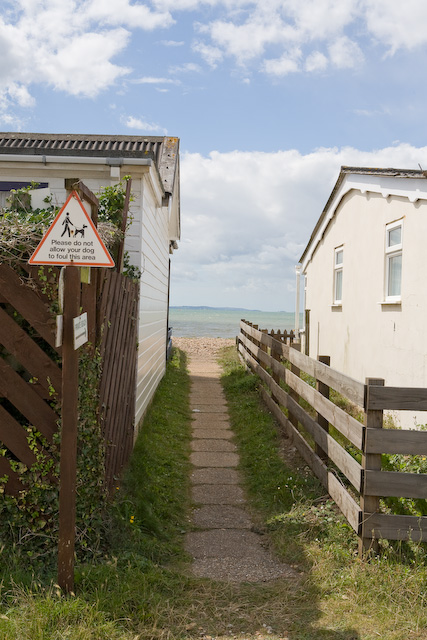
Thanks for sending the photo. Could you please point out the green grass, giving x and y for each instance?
(341, 597)
(143, 588)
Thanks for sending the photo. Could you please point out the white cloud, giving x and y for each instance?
(397, 24)
(82, 66)
(131, 122)
(20, 95)
(345, 54)
(153, 80)
(125, 13)
(247, 217)
(172, 43)
(247, 29)
(284, 65)
(249, 40)
(69, 46)
(212, 55)
(187, 67)
(316, 61)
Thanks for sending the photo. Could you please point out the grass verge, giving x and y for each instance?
(339, 596)
(143, 588)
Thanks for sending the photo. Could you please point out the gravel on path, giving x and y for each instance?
(202, 346)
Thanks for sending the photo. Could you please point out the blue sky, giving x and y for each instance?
(268, 97)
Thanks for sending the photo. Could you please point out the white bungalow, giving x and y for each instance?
(365, 270)
(100, 161)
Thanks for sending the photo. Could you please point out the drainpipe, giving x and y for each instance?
(297, 299)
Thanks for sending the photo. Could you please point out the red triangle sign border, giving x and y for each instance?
(79, 263)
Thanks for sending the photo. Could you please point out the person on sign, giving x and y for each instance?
(67, 226)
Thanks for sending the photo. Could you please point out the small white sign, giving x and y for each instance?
(80, 330)
(59, 328)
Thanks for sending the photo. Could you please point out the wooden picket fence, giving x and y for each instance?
(357, 488)
(30, 365)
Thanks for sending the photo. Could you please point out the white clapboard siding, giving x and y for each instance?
(153, 300)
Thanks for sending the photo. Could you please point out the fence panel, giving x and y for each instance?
(30, 365)
(118, 301)
(263, 353)
(28, 371)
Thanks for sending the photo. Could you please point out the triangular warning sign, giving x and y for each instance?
(72, 239)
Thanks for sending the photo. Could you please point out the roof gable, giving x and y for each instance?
(407, 183)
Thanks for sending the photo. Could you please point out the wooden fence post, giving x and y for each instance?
(370, 461)
(256, 342)
(323, 422)
(68, 459)
(263, 348)
(293, 394)
(276, 353)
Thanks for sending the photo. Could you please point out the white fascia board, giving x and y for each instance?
(411, 188)
(115, 162)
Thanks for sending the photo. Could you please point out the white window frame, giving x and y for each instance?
(338, 273)
(392, 251)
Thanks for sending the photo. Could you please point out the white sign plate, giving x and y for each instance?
(80, 330)
(59, 330)
(72, 239)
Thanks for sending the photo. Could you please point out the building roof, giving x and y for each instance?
(384, 181)
(163, 151)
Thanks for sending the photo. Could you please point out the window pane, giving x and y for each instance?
(394, 275)
(339, 257)
(394, 236)
(338, 285)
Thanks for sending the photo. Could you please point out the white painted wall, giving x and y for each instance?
(154, 254)
(364, 337)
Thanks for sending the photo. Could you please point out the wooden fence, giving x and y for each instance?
(30, 365)
(357, 488)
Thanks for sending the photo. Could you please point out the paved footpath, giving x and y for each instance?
(223, 544)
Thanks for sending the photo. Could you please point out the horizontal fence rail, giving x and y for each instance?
(346, 459)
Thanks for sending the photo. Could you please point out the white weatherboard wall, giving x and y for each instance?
(154, 261)
(364, 336)
(147, 242)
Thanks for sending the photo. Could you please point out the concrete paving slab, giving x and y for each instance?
(212, 445)
(208, 408)
(202, 385)
(207, 392)
(215, 476)
(216, 434)
(217, 494)
(214, 459)
(209, 400)
(236, 570)
(221, 517)
(217, 420)
(221, 543)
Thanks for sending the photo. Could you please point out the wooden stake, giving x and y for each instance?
(370, 461)
(68, 461)
(324, 390)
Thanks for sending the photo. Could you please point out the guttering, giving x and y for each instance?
(41, 159)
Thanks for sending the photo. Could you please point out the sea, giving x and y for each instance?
(223, 322)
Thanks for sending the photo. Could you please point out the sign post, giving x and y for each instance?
(68, 460)
(71, 241)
